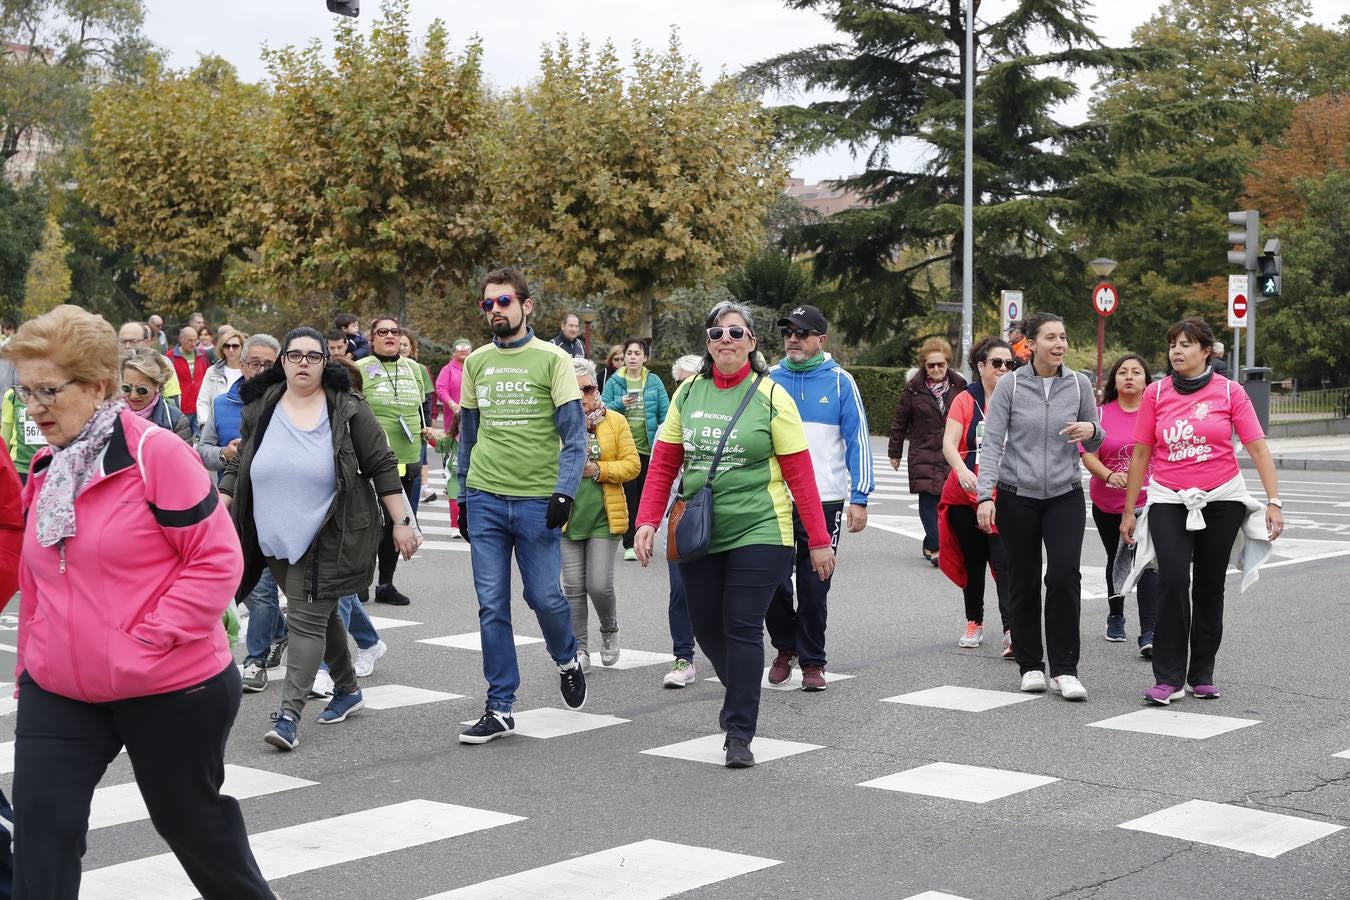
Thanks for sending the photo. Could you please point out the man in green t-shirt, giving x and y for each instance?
(522, 447)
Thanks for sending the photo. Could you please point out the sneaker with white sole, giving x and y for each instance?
(1069, 687)
(341, 706)
(1033, 682)
(681, 674)
(323, 685)
(584, 658)
(1163, 694)
(363, 661)
(572, 684)
(491, 726)
(255, 677)
(973, 636)
(609, 647)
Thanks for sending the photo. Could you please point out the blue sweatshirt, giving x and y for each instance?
(836, 429)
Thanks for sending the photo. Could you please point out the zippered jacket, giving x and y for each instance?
(836, 429)
(131, 605)
(1022, 448)
(655, 401)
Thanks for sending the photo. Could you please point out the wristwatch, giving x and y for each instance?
(407, 520)
(1276, 502)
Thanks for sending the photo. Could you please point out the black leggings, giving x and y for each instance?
(1057, 525)
(980, 550)
(1146, 591)
(388, 553)
(632, 493)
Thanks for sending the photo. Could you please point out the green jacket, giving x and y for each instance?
(341, 560)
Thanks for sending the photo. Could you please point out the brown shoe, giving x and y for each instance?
(781, 669)
(813, 678)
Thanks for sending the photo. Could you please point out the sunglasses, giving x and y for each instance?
(388, 332)
(313, 357)
(232, 346)
(999, 363)
(737, 332)
(797, 333)
(589, 389)
(140, 389)
(502, 302)
(936, 365)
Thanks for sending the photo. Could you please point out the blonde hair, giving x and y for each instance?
(225, 333)
(82, 344)
(150, 363)
(935, 345)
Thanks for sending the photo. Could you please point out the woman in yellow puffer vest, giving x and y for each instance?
(599, 519)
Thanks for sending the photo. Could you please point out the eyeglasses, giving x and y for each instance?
(313, 357)
(797, 333)
(45, 396)
(589, 388)
(132, 342)
(232, 346)
(140, 389)
(388, 332)
(737, 332)
(257, 365)
(936, 365)
(502, 302)
(1000, 362)
(463, 348)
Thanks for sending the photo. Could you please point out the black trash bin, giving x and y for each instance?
(1256, 380)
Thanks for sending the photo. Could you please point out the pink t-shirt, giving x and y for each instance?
(1192, 434)
(1115, 455)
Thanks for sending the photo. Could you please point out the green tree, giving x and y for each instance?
(371, 184)
(47, 283)
(773, 280)
(23, 212)
(628, 186)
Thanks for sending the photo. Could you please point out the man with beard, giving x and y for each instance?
(522, 449)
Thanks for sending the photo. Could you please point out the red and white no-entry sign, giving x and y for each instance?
(1105, 299)
(1238, 302)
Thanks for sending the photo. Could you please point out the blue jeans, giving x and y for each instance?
(681, 632)
(266, 622)
(498, 525)
(357, 623)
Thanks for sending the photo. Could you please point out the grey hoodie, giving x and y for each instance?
(1022, 446)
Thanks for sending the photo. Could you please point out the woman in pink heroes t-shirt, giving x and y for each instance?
(1122, 393)
(1184, 429)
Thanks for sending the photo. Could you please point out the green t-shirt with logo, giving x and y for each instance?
(394, 393)
(637, 414)
(589, 519)
(751, 504)
(516, 391)
(20, 432)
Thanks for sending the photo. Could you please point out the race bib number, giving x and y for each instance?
(32, 435)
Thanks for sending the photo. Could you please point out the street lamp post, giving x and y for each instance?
(586, 313)
(1102, 268)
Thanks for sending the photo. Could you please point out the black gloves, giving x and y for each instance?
(559, 508)
(464, 521)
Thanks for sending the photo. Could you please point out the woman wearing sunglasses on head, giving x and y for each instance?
(729, 589)
(144, 373)
(224, 372)
(640, 397)
(303, 488)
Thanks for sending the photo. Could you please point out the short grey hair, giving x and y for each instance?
(260, 340)
(582, 366)
(150, 363)
(688, 365)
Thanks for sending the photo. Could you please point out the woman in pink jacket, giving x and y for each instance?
(128, 563)
(447, 391)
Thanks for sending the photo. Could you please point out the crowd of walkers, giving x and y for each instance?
(247, 469)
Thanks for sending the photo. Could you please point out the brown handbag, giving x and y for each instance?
(676, 513)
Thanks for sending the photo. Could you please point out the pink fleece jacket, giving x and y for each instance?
(448, 384)
(131, 605)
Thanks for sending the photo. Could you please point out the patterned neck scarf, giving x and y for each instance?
(939, 391)
(69, 471)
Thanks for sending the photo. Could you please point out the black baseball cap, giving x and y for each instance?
(805, 317)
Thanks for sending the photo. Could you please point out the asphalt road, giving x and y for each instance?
(803, 825)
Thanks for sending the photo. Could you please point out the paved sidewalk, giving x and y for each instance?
(1321, 453)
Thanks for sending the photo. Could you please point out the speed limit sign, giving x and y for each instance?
(1105, 299)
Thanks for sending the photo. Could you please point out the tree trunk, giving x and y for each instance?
(646, 315)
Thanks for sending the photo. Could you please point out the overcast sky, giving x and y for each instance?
(719, 34)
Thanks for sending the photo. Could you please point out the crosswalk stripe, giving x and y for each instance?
(645, 870)
(7, 757)
(122, 803)
(302, 848)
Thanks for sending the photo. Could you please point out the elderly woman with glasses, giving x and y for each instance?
(144, 373)
(303, 491)
(119, 649)
(223, 374)
(765, 455)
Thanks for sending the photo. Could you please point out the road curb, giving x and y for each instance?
(1302, 464)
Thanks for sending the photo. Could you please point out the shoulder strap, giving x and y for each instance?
(745, 401)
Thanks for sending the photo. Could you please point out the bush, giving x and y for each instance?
(880, 389)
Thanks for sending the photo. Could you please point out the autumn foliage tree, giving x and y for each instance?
(47, 284)
(1317, 142)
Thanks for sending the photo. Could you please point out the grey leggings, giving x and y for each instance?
(588, 568)
(317, 635)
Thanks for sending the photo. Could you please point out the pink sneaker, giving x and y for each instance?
(1204, 691)
(1163, 694)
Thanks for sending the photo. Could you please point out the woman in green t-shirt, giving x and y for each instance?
(640, 397)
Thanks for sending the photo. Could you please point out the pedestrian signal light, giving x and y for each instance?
(1270, 267)
(345, 7)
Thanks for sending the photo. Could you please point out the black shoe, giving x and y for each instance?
(492, 726)
(573, 685)
(387, 593)
(738, 753)
(275, 653)
(364, 594)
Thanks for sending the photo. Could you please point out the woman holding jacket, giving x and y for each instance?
(304, 489)
(920, 417)
(641, 398)
(1035, 420)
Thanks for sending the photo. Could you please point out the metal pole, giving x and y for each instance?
(1101, 349)
(968, 225)
(1251, 320)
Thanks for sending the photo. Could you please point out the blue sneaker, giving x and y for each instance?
(341, 706)
(285, 732)
(1115, 628)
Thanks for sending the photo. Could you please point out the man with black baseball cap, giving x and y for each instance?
(836, 433)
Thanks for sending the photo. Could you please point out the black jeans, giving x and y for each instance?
(980, 550)
(176, 743)
(1057, 524)
(1189, 613)
(388, 553)
(728, 594)
(803, 631)
(1146, 591)
(928, 516)
(632, 493)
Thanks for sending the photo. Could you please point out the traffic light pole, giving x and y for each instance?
(1251, 319)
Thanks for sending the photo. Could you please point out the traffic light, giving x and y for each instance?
(1249, 238)
(1270, 266)
(345, 7)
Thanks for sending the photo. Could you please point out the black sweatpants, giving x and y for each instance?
(176, 743)
(802, 631)
(980, 550)
(632, 493)
(388, 553)
(1146, 591)
(1189, 614)
(729, 593)
(1056, 524)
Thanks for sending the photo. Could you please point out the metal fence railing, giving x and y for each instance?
(1308, 406)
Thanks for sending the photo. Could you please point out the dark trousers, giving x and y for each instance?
(928, 504)
(1027, 526)
(728, 594)
(681, 632)
(802, 631)
(388, 553)
(176, 743)
(1189, 614)
(980, 550)
(632, 492)
(1146, 591)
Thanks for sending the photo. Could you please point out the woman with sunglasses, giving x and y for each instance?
(128, 562)
(641, 398)
(920, 417)
(224, 372)
(144, 373)
(396, 393)
(729, 589)
(967, 550)
(303, 496)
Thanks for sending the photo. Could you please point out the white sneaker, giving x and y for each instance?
(972, 637)
(609, 648)
(682, 674)
(323, 685)
(1033, 682)
(1069, 687)
(584, 657)
(363, 661)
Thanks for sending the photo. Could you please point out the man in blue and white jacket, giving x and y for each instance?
(841, 454)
